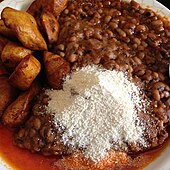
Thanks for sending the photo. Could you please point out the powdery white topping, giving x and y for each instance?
(97, 107)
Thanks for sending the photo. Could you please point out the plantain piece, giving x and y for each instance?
(56, 6)
(53, 6)
(13, 53)
(6, 31)
(3, 42)
(56, 69)
(25, 28)
(7, 93)
(50, 26)
(25, 73)
(17, 112)
(36, 7)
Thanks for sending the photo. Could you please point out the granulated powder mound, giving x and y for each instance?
(98, 107)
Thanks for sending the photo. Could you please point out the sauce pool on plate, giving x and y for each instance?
(22, 159)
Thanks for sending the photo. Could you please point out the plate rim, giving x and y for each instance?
(152, 4)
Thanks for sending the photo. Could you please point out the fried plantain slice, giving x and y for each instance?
(6, 31)
(13, 53)
(56, 69)
(53, 6)
(50, 26)
(25, 28)
(3, 42)
(25, 73)
(17, 112)
(7, 93)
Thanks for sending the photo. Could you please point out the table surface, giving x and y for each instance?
(165, 2)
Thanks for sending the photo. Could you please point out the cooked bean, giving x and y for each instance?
(159, 111)
(66, 11)
(137, 60)
(135, 5)
(162, 95)
(152, 36)
(121, 32)
(37, 141)
(109, 33)
(107, 19)
(72, 58)
(141, 55)
(158, 25)
(43, 132)
(148, 77)
(50, 135)
(134, 46)
(115, 12)
(141, 48)
(32, 132)
(141, 11)
(97, 34)
(144, 36)
(72, 39)
(168, 102)
(61, 47)
(137, 41)
(167, 88)
(96, 60)
(61, 54)
(37, 124)
(110, 65)
(155, 75)
(161, 76)
(27, 145)
(94, 43)
(156, 95)
(100, 11)
(140, 72)
(135, 21)
(144, 44)
(159, 85)
(140, 28)
(130, 26)
(21, 133)
(77, 26)
(167, 32)
(88, 32)
(113, 25)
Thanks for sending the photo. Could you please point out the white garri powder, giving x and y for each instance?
(97, 106)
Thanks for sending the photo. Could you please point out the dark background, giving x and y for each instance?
(165, 3)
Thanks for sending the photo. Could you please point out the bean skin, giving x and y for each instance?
(61, 47)
(107, 19)
(168, 102)
(156, 95)
(72, 58)
(121, 32)
(134, 5)
(37, 124)
(140, 28)
(113, 25)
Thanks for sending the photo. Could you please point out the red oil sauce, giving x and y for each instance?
(21, 159)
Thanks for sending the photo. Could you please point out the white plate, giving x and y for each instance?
(163, 161)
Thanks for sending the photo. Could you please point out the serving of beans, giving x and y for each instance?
(122, 36)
